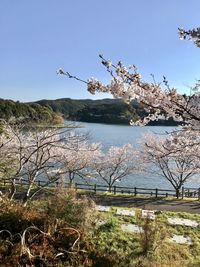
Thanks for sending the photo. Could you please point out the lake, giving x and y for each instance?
(118, 135)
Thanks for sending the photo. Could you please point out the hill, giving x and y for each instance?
(112, 111)
(28, 112)
(100, 111)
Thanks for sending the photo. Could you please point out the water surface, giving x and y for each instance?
(118, 135)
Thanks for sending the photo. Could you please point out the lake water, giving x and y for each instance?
(118, 135)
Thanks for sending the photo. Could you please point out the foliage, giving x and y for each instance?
(175, 157)
(64, 206)
(32, 236)
(193, 35)
(160, 101)
(103, 111)
(109, 111)
(52, 111)
(15, 217)
(127, 84)
(116, 164)
(29, 155)
(149, 248)
(78, 159)
(28, 113)
(63, 231)
(153, 235)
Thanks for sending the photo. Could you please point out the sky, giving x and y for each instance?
(37, 37)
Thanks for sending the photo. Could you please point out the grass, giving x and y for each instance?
(53, 225)
(166, 252)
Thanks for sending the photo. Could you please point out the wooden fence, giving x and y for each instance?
(95, 188)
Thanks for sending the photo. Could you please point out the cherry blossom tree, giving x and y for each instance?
(116, 164)
(175, 157)
(159, 99)
(29, 155)
(193, 35)
(6, 160)
(78, 159)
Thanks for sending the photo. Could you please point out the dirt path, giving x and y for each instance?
(148, 203)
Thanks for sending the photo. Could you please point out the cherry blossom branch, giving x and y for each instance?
(193, 35)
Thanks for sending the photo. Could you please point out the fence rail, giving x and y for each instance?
(95, 188)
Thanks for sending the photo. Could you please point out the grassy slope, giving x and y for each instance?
(100, 245)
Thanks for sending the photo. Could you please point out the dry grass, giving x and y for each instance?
(61, 231)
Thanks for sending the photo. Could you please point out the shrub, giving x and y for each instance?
(152, 236)
(44, 232)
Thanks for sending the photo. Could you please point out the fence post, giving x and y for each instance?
(156, 192)
(115, 190)
(135, 191)
(199, 194)
(183, 190)
(95, 188)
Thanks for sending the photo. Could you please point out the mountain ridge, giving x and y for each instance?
(107, 110)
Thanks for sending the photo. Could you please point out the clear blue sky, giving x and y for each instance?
(39, 36)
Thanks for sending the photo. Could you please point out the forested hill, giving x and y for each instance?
(100, 111)
(109, 111)
(31, 113)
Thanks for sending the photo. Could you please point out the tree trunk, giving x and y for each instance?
(177, 192)
(13, 189)
(110, 188)
(71, 178)
(70, 183)
(28, 192)
(27, 196)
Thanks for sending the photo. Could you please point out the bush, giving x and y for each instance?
(152, 236)
(67, 208)
(63, 231)
(44, 232)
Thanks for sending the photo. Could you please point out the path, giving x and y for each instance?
(148, 203)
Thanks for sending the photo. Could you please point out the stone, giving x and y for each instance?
(148, 214)
(132, 228)
(125, 212)
(180, 239)
(103, 208)
(184, 222)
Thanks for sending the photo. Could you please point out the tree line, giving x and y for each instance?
(111, 111)
(64, 155)
(28, 113)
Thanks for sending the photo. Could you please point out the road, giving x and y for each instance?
(148, 203)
